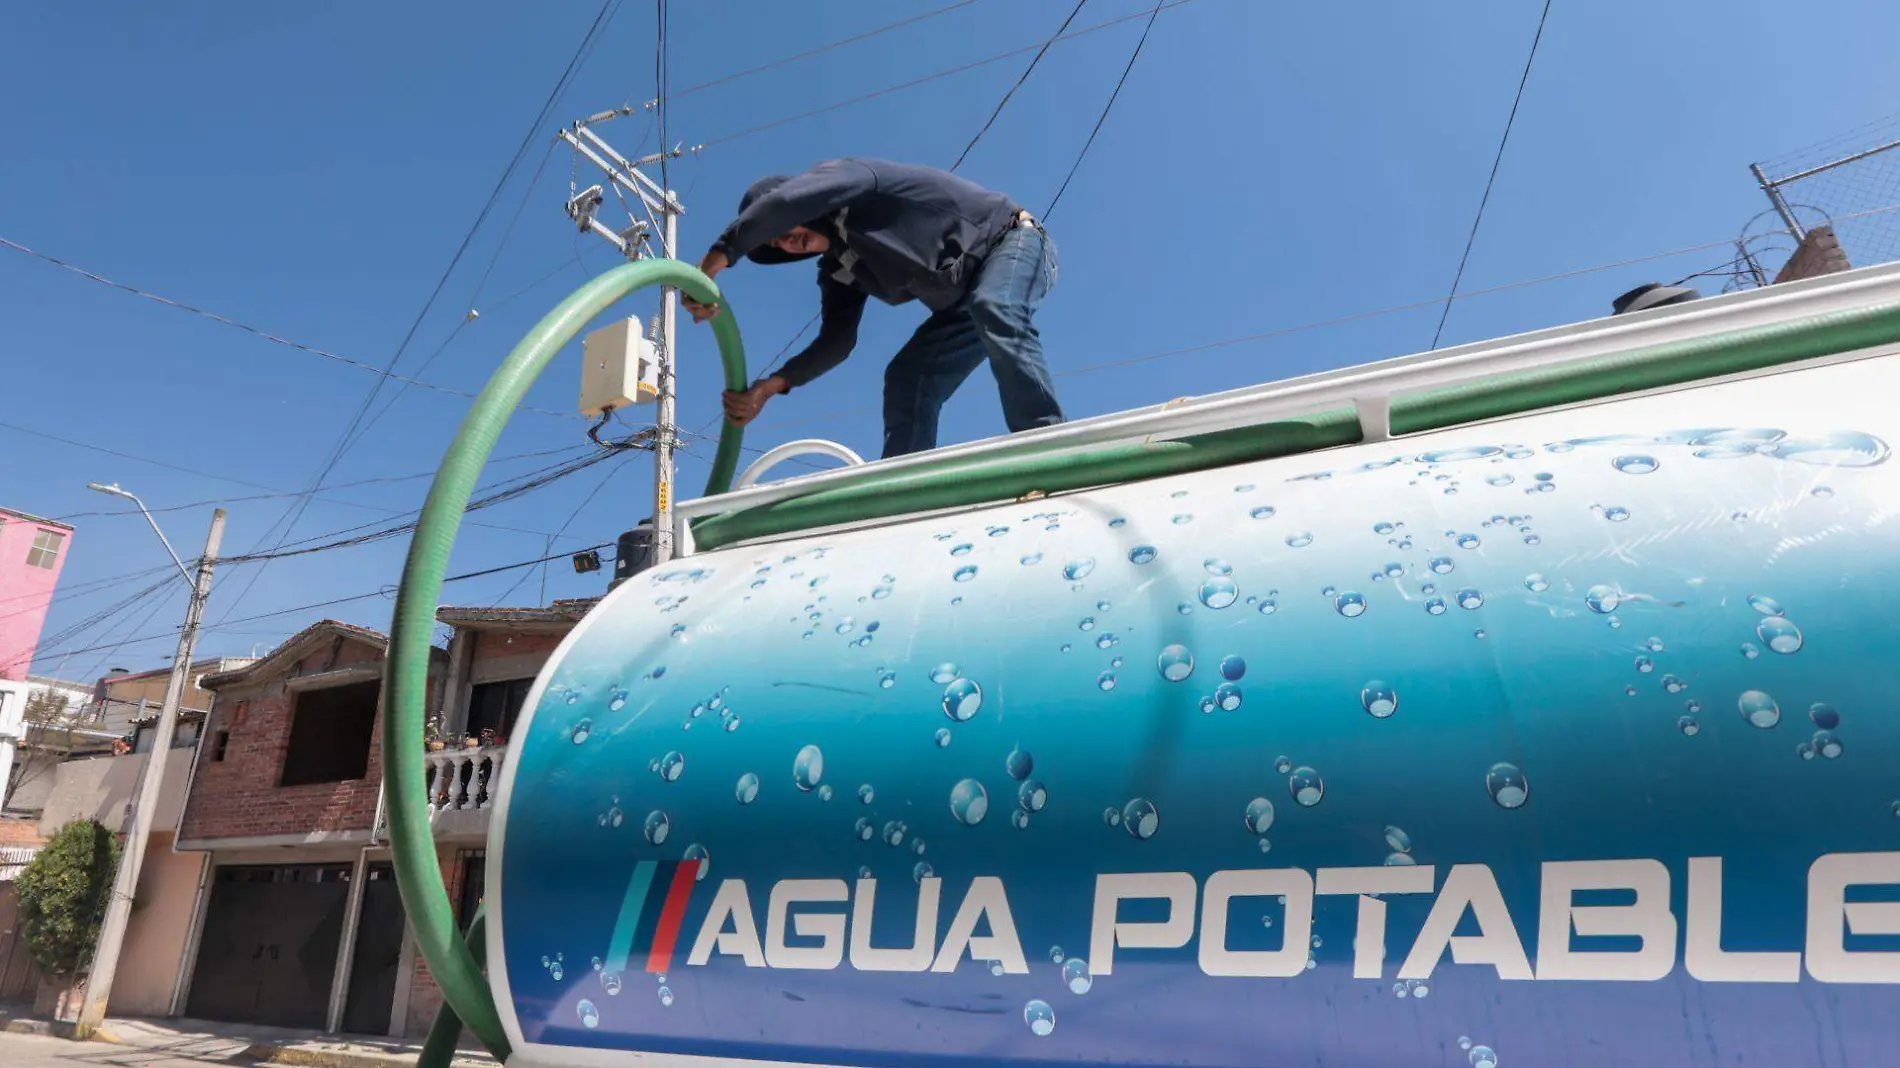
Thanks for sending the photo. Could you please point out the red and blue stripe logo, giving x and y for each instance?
(649, 924)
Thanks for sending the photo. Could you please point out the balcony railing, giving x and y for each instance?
(463, 780)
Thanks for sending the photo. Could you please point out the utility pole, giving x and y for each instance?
(662, 210)
(105, 960)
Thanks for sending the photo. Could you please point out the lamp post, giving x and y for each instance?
(105, 958)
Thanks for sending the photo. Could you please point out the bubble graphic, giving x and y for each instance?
(943, 673)
(1442, 565)
(1379, 699)
(1258, 815)
(698, 852)
(616, 699)
(1299, 540)
(1141, 818)
(1282, 765)
(672, 765)
(969, 802)
(1635, 464)
(1265, 511)
(1397, 840)
(1033, 796)
(1645, 664)
(1779, 634)
(1227, 696)
(1482, 1057)
(1500, 480)
(942, 737)
(1469, 598)
(865, 828)
(1350, 604)
(1075, 972)
(1142, 554)
(1759, 709)
(1536, 583)
(1175, 663)
(610, 982)
(1077, 570)
(1824, 716)
(1688, 726)
(1019, 763)
(1750, 650)
(1306, 786)
(1822, 492)
(1031, 559)
(962, 699)
(1232, 668)
(1040, 1018)
(1672, 684)
(1218, 593)
(590, 1016)
(581, 730)
(1268, 606)
(1508, 786)
(1435, 606)
(658, 825)
(964, 573)
(1112, 816)
(922, 871)
(893, 833)
(960, 550)
(1602, 599)
(1468, 541)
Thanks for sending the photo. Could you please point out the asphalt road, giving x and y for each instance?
(34, 1051)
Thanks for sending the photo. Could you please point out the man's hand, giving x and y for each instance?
(710, 267)
(745, 405)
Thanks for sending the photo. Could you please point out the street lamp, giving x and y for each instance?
(105, 960)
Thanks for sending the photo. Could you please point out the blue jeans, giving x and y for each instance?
(993, 321)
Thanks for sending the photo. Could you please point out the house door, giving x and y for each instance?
(268, 950)
(378, 955)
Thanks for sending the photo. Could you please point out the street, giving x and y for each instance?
(37, 1051)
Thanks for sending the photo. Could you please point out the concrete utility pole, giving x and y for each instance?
(662, 210)
(105, 959)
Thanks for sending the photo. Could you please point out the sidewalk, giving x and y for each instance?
(211, 1042)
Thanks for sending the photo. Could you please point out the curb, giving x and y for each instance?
(27, 1027)
(328, 1058)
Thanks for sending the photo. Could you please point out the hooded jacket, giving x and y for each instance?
(899, 232)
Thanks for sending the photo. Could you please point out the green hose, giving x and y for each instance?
(406, 674)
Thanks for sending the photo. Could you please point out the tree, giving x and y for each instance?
(45, 707)
(63, 895)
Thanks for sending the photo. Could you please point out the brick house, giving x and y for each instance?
(300, 923)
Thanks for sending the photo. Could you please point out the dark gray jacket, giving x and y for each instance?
(899, 232)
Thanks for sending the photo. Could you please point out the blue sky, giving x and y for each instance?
(309, 169)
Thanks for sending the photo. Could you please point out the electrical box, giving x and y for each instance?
(619, 367)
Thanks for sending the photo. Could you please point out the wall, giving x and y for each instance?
(28, 590)
(19, 976)
(155, 939)
(238, 797)
(124, 692)
(425, 997)
(104, 788)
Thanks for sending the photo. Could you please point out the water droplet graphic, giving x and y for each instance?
(1602, 599)
(1299, 540)
(1105, 681)
(1183, 519)
(996, 967)
(1435, 606)
(616, 699)
(943, 737)
(1379, 699)
(1824, 716)
(1232, 668)
(1306, 786)
(1033, 796)
(1827, 743)
(886, 680)
(808, 767)
(1482, 1057)
(1391, 570)
(1469, 598)
(1265, 511)
(1645, 664)
(748, 789)
(1397, 840)
(1175, 663)
(1350, 604)
(1141, 554)
(824, 792)
(922, 871)
(1075, 972)
(610, 982)
(1077, 570)
(1268, 606)
(1500, 480)
(1616, 513)
(590, 1016)
(1218, 593)
(1019, 763)
(698, 852)
(1112, 816)
(1688, 726)
(969, 802)
(1779, 634)
(1141, 818)
(1216, 566)
(1107, 641)
(1259, 815)
(1766, 605)
(1635, 464)
(657, 827)
(1822, 492)
(1759, 709)
(893, 832)
(581, 731)
(960, 550)
(1468, 541)
(1536, 583)
(865, 828)
(964, 573)
(962, 699)
(1672, 684)
(1508, 786)
(1019, 819)
(1282, 765)
(1040, 1018)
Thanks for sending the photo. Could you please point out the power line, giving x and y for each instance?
(821, 49)
(1496, 161)
(1106, 108)
(1011, 91)
(288, 521)
(945, 73)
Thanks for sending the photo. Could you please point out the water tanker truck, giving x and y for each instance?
(1525, 703)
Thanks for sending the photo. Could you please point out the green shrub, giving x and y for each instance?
(63, 896)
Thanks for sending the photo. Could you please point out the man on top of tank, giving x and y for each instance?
(901, 232)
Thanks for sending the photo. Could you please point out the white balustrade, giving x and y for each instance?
(462, 779)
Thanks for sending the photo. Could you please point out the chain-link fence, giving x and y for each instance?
(1850, 181)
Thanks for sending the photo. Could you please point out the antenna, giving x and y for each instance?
(659, 212)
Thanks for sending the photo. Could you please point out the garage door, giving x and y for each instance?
(269, 947)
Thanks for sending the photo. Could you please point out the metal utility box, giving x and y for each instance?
(620, 367)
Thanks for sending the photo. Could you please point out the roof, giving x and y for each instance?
(560, 613)
(29, 517)
(209, 665)
(48, 680)
(295, 648)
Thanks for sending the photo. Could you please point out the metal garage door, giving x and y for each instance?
(269, 947)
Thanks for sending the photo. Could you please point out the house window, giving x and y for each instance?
(495, 706)
(330, 733)
(45, 550)
(220, 742)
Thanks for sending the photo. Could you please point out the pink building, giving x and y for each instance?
(32, 551)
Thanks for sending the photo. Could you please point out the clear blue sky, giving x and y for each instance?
(309, 169)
